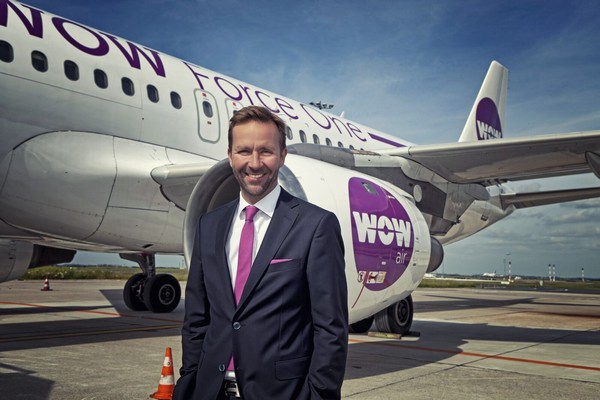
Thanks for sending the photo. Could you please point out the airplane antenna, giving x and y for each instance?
(321, 106)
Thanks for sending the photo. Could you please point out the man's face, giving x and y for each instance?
(255, 158)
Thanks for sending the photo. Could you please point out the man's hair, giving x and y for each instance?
(260, 114)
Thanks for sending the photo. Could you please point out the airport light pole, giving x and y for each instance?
(506, 256)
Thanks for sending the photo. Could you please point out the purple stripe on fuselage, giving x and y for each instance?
(384, 140)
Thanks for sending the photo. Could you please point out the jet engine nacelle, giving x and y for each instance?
(388, 247)
(17, 256)
(14, 259)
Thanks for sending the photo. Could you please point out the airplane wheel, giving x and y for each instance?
(162, 293)
(397, 318)
(133, 291)
(362, 326)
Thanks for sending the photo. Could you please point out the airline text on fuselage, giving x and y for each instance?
(97, 43)
(369, 227)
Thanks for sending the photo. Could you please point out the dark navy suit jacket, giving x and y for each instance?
(289, 333)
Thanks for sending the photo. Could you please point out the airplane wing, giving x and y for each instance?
(496, 161)
(524, 200)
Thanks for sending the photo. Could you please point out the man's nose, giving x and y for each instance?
(254, 160)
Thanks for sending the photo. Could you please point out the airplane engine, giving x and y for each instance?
(17, 256)
(14, 259)
(388, 247)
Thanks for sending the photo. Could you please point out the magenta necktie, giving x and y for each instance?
(244, 259)
(245, 253)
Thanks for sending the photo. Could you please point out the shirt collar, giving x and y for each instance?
(267, 204)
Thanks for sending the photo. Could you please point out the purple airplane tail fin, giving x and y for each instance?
(486, 119)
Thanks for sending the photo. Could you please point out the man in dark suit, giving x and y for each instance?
(283, 333)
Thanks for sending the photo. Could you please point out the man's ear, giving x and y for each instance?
(283, 154)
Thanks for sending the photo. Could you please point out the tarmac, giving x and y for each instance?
(79, 341)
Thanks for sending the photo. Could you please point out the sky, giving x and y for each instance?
(411, 69)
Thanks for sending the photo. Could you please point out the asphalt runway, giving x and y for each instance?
(79, 341)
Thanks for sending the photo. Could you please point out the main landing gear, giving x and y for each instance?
(396, 318)
(147, 290)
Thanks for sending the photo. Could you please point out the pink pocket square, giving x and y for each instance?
(279, 260)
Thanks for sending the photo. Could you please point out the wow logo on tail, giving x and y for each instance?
(382, 234)
(487, 120)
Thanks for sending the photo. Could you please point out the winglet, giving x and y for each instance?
(486, 119)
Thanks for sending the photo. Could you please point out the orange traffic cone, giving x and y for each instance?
(167, 380)
(46, 285)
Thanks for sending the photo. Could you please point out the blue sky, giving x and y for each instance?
(411, 69)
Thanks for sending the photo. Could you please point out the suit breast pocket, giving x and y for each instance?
(283, 264)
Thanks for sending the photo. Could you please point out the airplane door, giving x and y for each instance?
(208, 116)
(232, 107)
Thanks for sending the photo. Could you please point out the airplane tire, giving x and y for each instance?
(162, 293)
(133, 292)
(397, 318)
(362, 326)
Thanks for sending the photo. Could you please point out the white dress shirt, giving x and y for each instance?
(262, 219)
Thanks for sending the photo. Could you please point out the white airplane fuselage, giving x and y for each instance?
(87, 121)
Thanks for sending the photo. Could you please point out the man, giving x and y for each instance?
(283, 333)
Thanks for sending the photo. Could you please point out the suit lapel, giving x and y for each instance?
(222, 231)
(283, 219)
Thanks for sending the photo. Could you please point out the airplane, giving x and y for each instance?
(110, 146)
(490, 274)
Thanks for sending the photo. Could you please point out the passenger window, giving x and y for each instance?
(288, 132)
(340, 144)
(152, 93)
(39, 61)
(207, 108)
(351, 147)
(175, 100)
(71, 70)
(100, 78)
(302, 136)
(127, 86)
(6, 52)
(316, 139)
(328, 141)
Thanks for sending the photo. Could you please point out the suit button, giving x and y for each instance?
(222, 367)
(237, 325)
